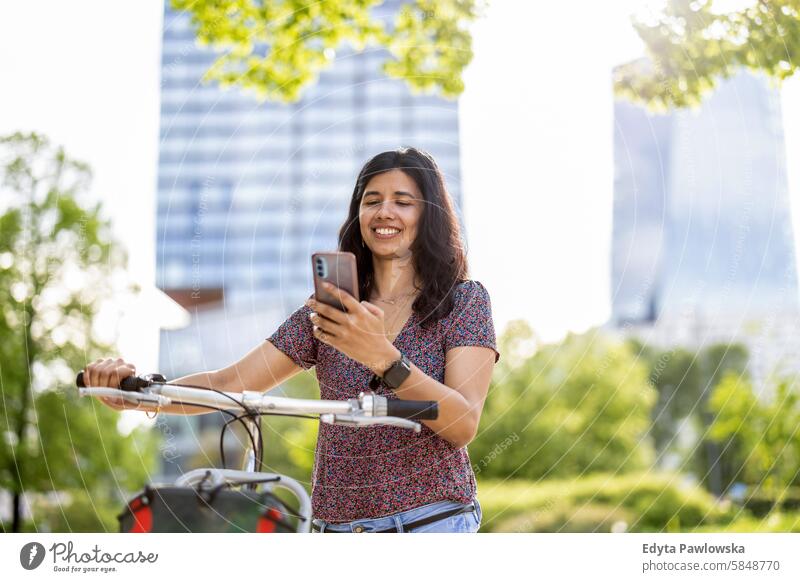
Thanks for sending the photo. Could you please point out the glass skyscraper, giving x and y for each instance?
(703, 249)
(701, 208)
(248, 191)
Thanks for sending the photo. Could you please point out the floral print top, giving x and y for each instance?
(369, 472)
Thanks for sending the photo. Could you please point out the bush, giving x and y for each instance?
(581, 406)
(744, 523)
(75, 511)
(763, 428)
(644, 501)
(563, 518)
(759, 502)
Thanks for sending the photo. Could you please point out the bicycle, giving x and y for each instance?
(214, 489)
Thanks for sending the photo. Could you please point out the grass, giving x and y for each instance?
(600, 503)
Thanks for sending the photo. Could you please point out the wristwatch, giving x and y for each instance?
(394, 374)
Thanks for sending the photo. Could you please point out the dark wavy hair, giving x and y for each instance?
(438, 252)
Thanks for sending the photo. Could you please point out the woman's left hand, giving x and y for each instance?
(359, 333)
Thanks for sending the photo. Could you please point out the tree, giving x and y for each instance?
(277, 48)
(716, 465)
(691, 45)
(57, 261)
(684, 380)
(677, 379)
(578, 407)
(763, 432)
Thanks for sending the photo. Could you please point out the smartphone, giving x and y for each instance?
(339, 269)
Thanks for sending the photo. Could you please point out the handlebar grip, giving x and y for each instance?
(130, 384)
(413, 409)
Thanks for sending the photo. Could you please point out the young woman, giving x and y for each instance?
(423, 327)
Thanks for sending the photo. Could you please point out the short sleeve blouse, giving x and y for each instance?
(362, 473)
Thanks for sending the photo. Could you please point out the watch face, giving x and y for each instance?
(397, 372)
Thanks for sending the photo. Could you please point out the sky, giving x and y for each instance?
(537, 169)
(536, 143)
(93, 87)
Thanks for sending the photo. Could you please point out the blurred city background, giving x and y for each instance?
(621, 174)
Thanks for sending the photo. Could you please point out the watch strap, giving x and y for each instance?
(397, 372)
(402, 363)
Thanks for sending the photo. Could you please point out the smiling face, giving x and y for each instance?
(389, 213)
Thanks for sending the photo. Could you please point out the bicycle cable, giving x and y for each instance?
(249, 413)
(257, 446)
(260, 415)
(256, 450)
(225, 411)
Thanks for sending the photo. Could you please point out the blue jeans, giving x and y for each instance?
(467, 522)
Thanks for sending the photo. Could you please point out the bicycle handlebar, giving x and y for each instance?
(129, 384)
(367, 409)
(413, 409)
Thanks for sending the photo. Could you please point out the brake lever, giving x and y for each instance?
(133, 397)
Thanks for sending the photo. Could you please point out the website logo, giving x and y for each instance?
(31, 555)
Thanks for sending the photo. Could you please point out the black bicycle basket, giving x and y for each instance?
(171, 509)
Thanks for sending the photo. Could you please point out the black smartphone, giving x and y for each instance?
(336, 268)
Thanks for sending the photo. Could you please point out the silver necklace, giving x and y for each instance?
(394, 300)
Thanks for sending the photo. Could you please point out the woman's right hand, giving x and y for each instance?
(109, 373)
